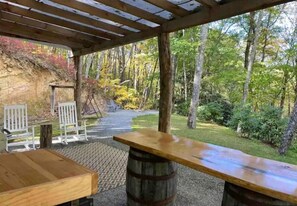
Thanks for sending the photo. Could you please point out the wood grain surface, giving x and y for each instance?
(272, 178)
(43, 177)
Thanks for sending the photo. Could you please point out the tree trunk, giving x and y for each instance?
(166, 83)
(249, 39)
(283, 91)
(185, 81)
(289, 133)
(99, 66)
(89, 62)
(252, 57)
(197, 78)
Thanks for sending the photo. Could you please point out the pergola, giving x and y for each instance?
(87, 26)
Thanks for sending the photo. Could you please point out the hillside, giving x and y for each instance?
(25, 75)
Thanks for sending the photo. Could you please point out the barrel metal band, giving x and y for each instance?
(143, 159)
(151, 177)
(243, 199)
(151, 203)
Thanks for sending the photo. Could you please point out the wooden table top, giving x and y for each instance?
(272, 178)
(43, 177)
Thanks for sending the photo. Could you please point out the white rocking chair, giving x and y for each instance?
(68, 123)
(16, 127)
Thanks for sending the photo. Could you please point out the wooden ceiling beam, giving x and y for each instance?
(118, 42)
(37, 34)
(133, 10)
(101, 13)
(70, 15)
(34, 41)
(80, 37)
(168, 6)
(56, 21)
(207, 3)
(206, 15)
(227, 10)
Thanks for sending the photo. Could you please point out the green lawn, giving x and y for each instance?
(90, 121)
(215, 134)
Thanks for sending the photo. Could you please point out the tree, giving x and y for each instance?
(197, 78)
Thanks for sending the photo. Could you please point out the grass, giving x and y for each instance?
(90, 121)
(218, 135)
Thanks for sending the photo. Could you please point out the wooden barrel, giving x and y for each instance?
(151, 180)
(238, 196)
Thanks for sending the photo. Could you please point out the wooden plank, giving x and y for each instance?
(223, 11)
(204, 16)
(70, 15)
(43, 177)
(35, 41)
(141, 13)
(166, 83)
(37, 34)
(268, 177)
(56, 21)
(79, 37)
(101, 13)
(78, 85)
(119, 41)
(208, 3)
(168, 6)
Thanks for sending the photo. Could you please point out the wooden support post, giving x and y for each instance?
(166, 83)
(52, 100)
(46, 133)
(78, 85)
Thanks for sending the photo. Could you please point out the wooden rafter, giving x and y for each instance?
(101, 13)
(118, 42)
(208, 3)
(80, 37)
(52, 44)
(168, 6)
(70, 15)
(37, 34)
(206, 15)
(133, 10)
(54, 20)
(223, 11)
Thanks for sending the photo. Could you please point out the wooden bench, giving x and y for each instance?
(43, 177)
(249, 180)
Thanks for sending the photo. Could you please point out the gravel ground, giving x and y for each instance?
(194, 188)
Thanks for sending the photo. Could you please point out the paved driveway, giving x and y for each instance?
(115, 123)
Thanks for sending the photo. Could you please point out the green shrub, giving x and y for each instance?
(211, 112)
(266, 125)
(182, 108)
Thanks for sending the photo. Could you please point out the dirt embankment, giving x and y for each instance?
(25, 79)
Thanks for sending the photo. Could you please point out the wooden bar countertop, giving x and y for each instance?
(43, 177)
(269, 177)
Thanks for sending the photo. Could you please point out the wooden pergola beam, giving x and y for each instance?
(133, 10)
(79, 37)
(168, 6)
(56, 21)
(37, 34)
(78, 85)
(208, 3)
(118, 42)
(224, 11)
(70, 15)
(101, 13)
(206, 15)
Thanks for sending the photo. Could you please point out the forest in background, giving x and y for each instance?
(248, 76)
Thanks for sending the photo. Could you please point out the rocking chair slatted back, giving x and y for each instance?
(15, 118)
(67, 114)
